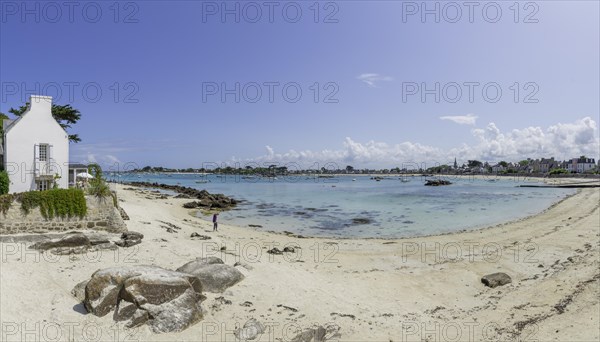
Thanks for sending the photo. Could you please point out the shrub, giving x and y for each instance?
(5, 202)
(98, 186)
(558, 171)
(4, 182)
(55, 203)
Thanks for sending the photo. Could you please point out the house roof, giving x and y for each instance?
(12, 123)
(8, 124)
(77, 166)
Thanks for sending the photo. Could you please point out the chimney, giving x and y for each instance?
(40, 103)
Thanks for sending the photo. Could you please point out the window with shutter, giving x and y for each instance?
(43, 155)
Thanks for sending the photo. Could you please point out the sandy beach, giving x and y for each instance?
(416, 289)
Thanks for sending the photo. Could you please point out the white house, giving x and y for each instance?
(498, 168)
(35, 149)
(580, 165)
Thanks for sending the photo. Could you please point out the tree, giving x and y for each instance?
(65, 116)
(503, 164)
(349, 169)
(2, 118)
(474, 163)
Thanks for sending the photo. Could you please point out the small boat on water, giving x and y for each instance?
(354, 179)
(202, 181)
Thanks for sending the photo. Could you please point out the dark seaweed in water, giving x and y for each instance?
(263, 206)
(316, 209)
(361, 220)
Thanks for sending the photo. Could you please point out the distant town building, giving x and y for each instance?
(547, 165)
(580, 165)
(497, 168)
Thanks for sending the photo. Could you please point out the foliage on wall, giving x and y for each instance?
(54, 203)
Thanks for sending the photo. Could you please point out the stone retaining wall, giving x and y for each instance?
(101, 215)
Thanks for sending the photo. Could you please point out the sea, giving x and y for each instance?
(358, 206)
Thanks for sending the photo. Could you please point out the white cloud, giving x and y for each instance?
(562, 141)
(112, 159)
(371, 79)
(91, 158)
(269, 151)
(468, 119)
(109, 153)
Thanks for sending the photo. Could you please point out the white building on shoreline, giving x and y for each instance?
(580, 165)
(35, 149)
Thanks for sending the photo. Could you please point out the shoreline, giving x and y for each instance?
(194, 213)
(372, 289)
(466, 230)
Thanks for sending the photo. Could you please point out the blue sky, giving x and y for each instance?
(164, 57)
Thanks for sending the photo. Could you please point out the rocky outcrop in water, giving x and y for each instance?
(204, 198)
(437, 182)
(361, 220)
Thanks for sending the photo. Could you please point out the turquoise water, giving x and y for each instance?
(392, 208)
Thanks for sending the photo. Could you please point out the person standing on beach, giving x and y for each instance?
(215, 224)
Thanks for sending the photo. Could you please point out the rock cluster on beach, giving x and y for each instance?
(496, 279)
(74, 243)
(251, 330)
(215, 276)
(129, 239)
(165, 300)
(318, 334)
(79, 243)
(203, 197)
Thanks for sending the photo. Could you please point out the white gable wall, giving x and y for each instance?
(36, 126)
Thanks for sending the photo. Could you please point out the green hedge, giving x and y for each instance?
(55, 202)
(4, 182)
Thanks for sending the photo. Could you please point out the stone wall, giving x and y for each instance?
(101, 215)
